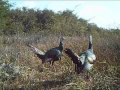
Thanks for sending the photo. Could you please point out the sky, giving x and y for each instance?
(105, 14)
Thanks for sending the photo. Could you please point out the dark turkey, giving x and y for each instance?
(51, 55)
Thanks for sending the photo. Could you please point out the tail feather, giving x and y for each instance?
(74, 57)
(35, 50)
(76, 60)
(40, 54)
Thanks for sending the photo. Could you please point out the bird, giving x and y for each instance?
(51, 55)
(85, 60)
(76, 60)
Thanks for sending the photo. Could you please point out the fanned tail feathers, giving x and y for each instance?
(38, 52)
(76, 60)
(35, 50)
(74, 57)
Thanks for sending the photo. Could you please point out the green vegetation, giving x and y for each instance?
(21, 69)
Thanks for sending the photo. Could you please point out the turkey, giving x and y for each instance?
(51, 55)
(85, 60)
(75, 58)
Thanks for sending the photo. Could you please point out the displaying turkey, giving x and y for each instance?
(51, 55)
(85, 60)
(75, 58)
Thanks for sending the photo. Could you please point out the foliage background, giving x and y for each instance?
(21, 69)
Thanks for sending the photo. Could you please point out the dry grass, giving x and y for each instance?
(35, 76)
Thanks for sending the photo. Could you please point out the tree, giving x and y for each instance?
(4, 12)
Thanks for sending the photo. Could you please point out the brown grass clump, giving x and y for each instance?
(29, 74)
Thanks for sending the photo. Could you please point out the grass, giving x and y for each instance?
(27, 72)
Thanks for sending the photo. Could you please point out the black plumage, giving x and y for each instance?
(51, 55)
(76, 60)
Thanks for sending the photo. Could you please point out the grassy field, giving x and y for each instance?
(20, 69)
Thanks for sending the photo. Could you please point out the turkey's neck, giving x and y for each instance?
(90, 44)
(61, 46)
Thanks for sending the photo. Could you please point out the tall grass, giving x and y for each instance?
(27, 72)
